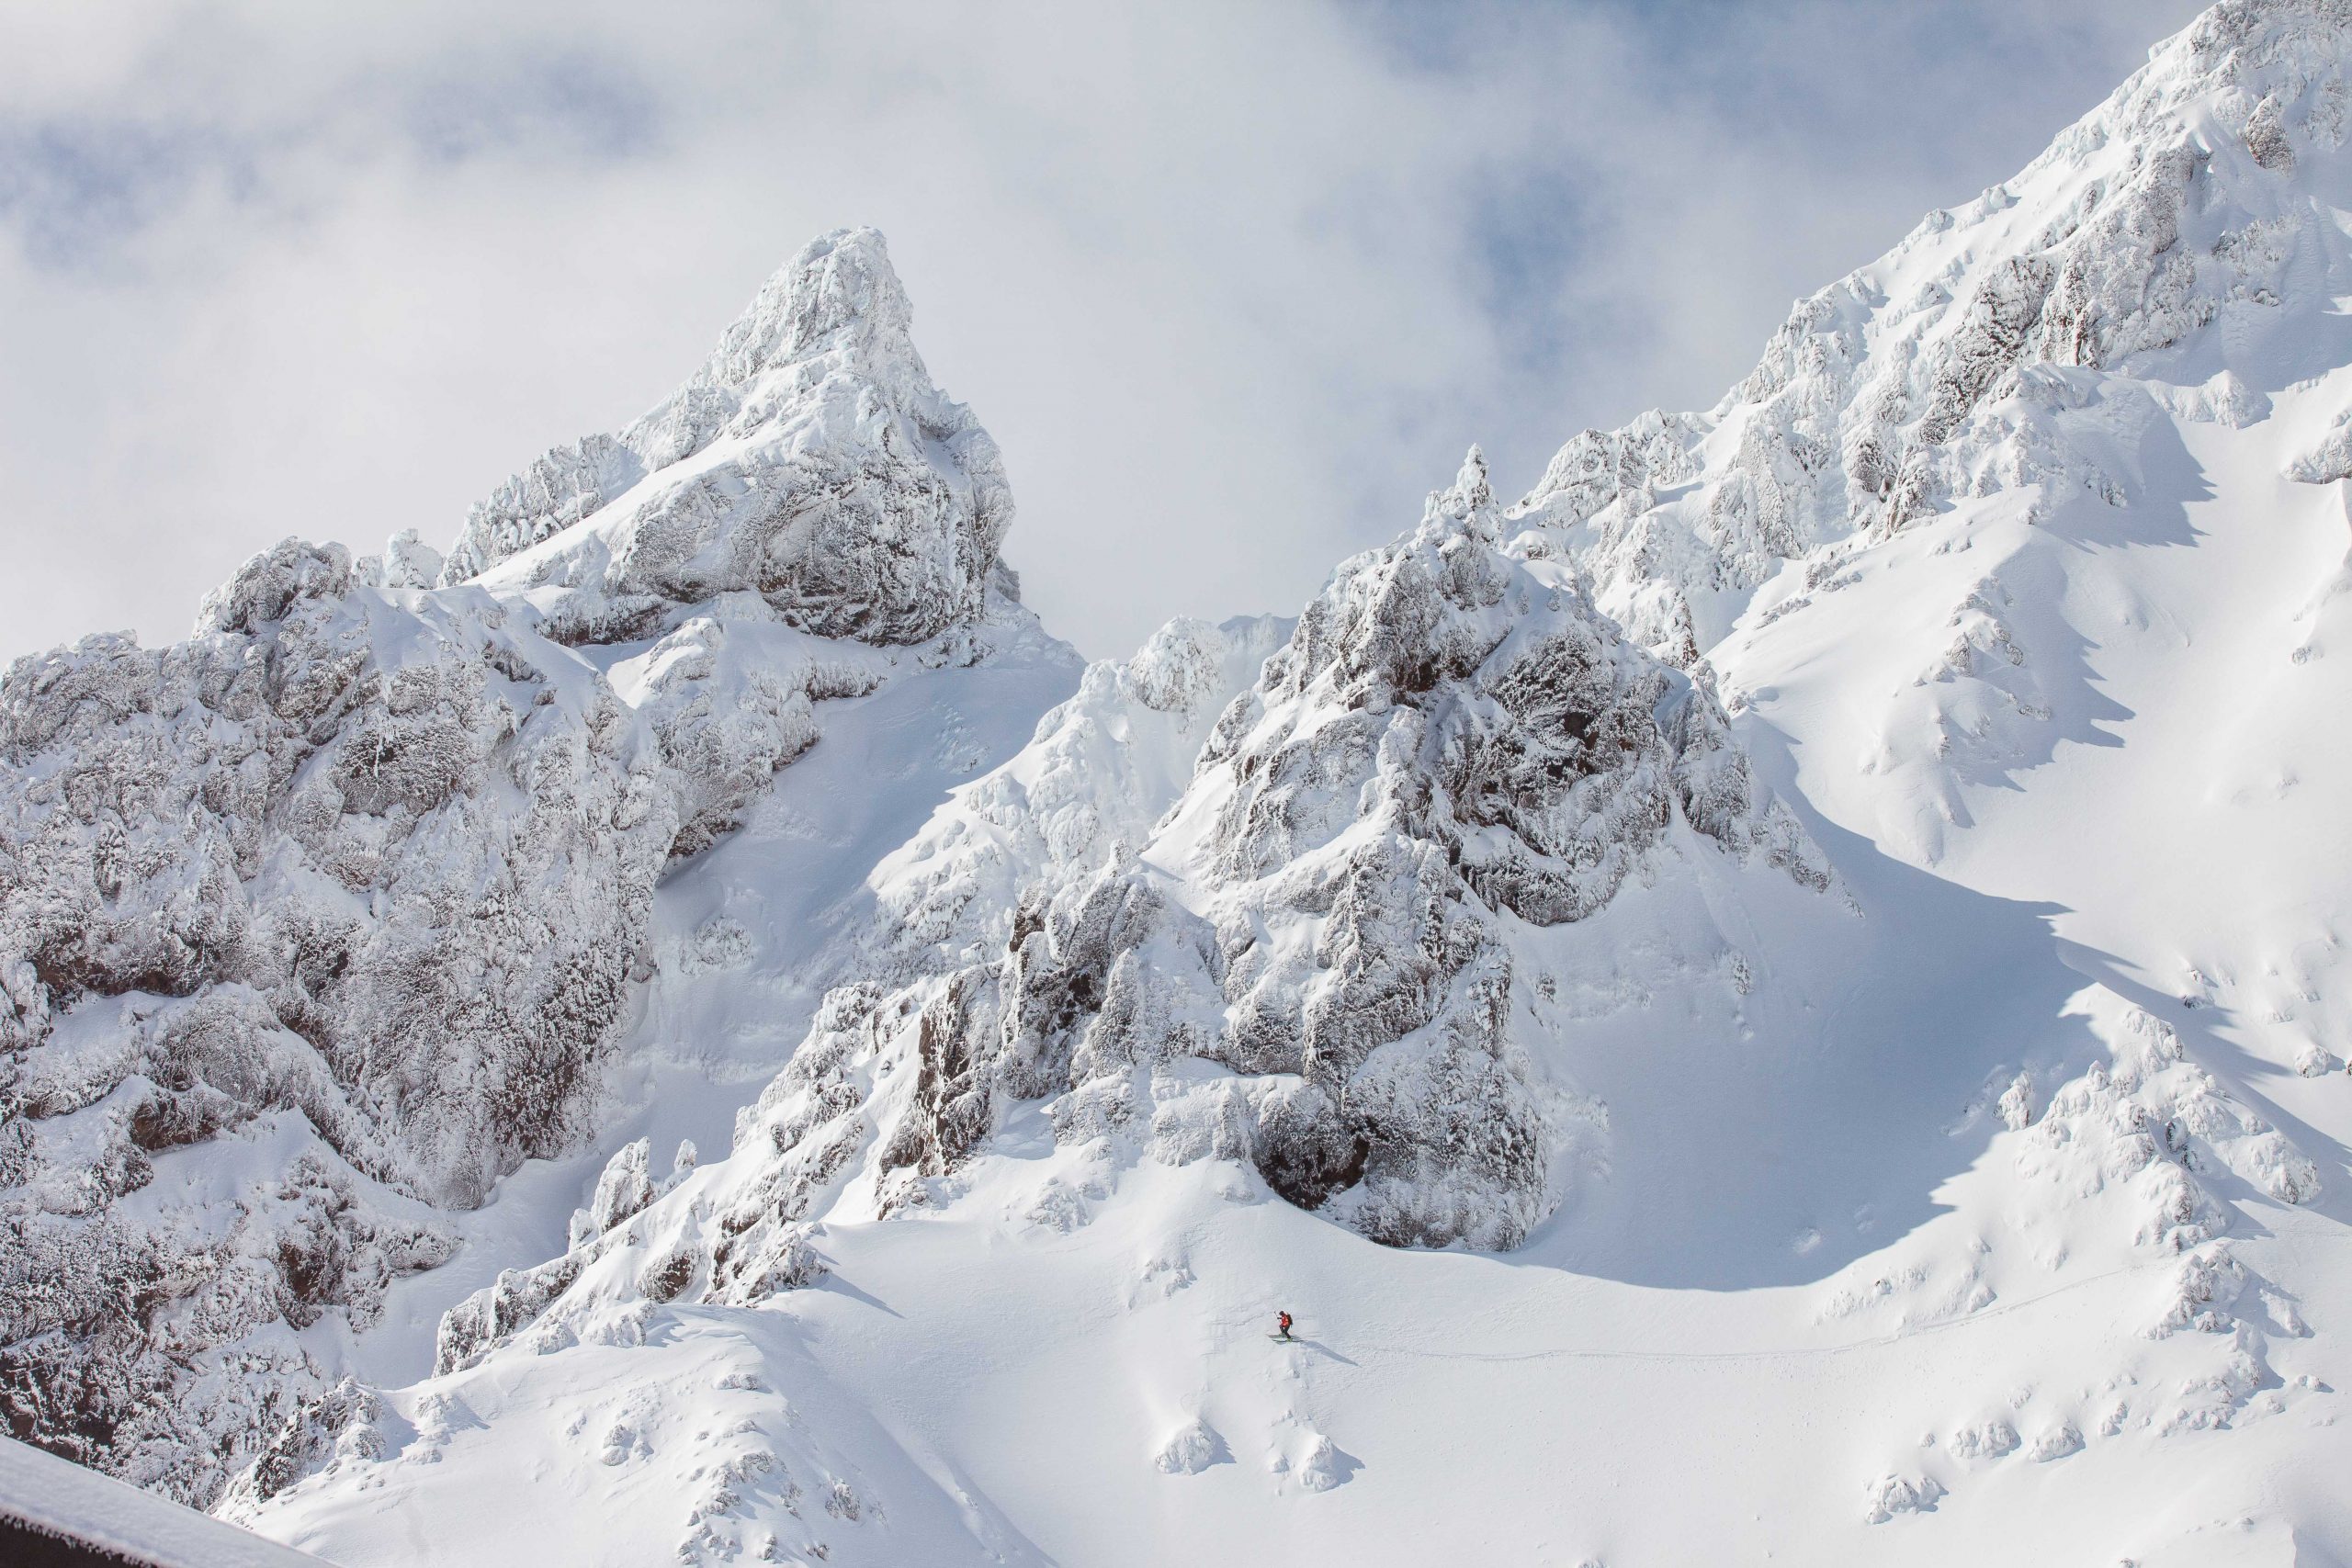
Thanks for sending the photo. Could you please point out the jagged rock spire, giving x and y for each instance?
(810, 461)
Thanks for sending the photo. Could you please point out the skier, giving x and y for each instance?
(1281, 1321)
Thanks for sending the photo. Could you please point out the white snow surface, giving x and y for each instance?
(1783, 998)
(66, 1502)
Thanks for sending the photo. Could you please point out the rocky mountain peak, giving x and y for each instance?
(810, 461)
(839, 294)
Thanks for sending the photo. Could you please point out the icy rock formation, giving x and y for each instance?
(407, 562)
(810, 461)
(1911, 381)
(1451, 741)
(349, 881)
(348, 889)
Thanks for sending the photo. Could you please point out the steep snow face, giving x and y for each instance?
(810, 461)
(2170, 224)
(332, 907)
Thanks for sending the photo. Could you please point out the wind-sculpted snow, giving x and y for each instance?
(353, 882)
(2169, 212)
(810, 461)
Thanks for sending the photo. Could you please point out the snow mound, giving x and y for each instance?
(1190, 1449)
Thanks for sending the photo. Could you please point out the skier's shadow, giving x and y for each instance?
(1317, 1346)
(840, 1286)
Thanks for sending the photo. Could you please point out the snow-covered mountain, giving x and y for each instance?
(1781, 997)
(316, 926)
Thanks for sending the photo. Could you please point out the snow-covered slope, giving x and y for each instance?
(1908, 1105)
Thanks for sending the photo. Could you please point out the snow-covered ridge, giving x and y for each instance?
(2168, 214)
(810, 461)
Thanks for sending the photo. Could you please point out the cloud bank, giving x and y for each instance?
(1232, 284)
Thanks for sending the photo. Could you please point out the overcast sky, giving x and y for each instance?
(1232, 286)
